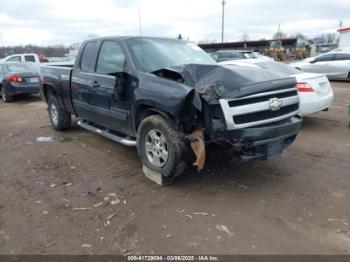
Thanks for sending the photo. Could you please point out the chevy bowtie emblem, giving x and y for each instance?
(275, 104)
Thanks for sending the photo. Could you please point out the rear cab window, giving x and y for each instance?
(29, 58)
(88, 57)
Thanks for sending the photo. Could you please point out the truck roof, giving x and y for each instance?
(133, 37)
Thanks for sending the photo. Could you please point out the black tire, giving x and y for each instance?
(5, 98)
(60, 119)
(176, 148)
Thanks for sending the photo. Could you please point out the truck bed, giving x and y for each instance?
(58, 76)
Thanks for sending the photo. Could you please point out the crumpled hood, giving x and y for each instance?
(213, 82)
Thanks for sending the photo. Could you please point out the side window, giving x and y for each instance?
(342, 57)
(225, 55)
(324, 58)
(29, 58)
(232, 55)
(221, 55)
(88, 59)
(14, 59)
(111, 59)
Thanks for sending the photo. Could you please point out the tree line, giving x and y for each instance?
(47, 51)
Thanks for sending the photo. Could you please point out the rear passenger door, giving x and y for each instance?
(112, 112)
(83, 79)
(341, 65)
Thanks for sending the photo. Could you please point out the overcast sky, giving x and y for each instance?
(47, 22)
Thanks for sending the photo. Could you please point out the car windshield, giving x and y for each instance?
(249, 55)
(279, 67)
(155, 54)
(275, 44)
(22, 67)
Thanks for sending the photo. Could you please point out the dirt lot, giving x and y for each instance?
(298, 203)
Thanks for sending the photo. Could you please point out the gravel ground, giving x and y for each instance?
(83, 194)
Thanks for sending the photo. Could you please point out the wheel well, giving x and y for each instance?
(48, 90)
(144, 111)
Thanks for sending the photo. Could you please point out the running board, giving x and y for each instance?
(106, 133)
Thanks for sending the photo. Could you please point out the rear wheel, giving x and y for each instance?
(60, 119)
(6, 98)
(161, 148)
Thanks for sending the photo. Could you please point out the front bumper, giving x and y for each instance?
(261, 142)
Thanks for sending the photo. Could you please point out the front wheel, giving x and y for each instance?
(161, 148)
(6, 98)
(60, 119)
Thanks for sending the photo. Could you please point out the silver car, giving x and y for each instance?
(335, 65)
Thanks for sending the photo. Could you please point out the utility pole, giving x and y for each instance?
(340, 25)
(223, 21)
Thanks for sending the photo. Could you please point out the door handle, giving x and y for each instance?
(95, 84)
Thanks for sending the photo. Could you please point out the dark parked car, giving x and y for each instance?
(166, 96)
(18, 78)
(226, 55)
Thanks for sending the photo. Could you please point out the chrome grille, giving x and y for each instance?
(260, 108)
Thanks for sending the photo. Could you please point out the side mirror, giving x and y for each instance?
(120, 79)
(313, 61)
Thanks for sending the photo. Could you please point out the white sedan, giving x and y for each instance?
(315, 91)
(334, 64)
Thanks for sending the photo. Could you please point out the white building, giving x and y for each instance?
(344, 39)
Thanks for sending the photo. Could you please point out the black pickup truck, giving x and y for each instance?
(170, 99)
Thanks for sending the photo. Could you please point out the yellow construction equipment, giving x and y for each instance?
(276, 50)
(298, 52)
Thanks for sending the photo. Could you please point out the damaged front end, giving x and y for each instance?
(251, 111)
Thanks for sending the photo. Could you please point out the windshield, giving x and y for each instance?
(275, 44)
(22, 67)
(279, 67)
(155, 54)
(249, 55)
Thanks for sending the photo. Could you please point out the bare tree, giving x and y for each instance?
(90, 36)
(245, 37)
(331, 38)
(300, 36)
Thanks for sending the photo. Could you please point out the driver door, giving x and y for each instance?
(321, 64)
(110, 110)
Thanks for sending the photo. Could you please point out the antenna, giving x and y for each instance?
(138, 8)
(141, 40)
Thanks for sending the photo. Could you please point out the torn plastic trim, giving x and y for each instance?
(197, 142)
